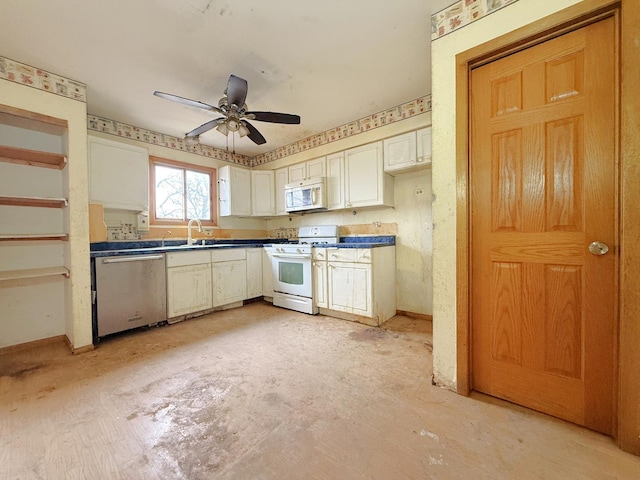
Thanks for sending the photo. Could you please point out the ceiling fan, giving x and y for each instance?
(234, 113)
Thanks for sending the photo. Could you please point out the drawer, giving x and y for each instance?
(319, 253)
(181, 259)
(228, 254)
(353, 255)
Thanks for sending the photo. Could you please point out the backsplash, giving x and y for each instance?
(283, 233)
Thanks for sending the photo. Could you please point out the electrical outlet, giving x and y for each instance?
(419, 191)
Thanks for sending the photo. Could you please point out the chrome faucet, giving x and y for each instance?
(166, 234)
(190, 240)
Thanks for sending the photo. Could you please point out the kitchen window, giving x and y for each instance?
(181, 191)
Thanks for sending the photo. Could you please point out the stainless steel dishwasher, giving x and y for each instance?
(131, 292)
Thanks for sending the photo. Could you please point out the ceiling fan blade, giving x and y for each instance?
(205, 127)
(236, 91)
(275, 117)
(187, 101)
(254, 135)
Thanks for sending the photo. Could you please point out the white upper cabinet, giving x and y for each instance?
(424, 146)
(297, 172)
(366, 184)
(262, 193)
(310, 169)
(118, 175)
(407, 152)
(281, 179)
(400, 152)
(234, 191)
(335, 181)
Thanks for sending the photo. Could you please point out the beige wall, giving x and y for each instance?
(443, 58)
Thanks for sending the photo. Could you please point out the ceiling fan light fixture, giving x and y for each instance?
(233, 124)
(243, 131)
(222, 128)
(233, 110)
(192, 140)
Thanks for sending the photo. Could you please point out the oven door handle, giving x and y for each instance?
(290, 255)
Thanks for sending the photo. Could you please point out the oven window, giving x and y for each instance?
(291, 273)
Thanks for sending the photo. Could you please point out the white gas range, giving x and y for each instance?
(292, 272)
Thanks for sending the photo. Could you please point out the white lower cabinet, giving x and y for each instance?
(320, 281)
(188, 283)
(229, 275)
(350, 287)
(254, 272)
(356, 281)
(267, 272)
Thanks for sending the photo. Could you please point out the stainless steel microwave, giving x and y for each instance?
(305, 195)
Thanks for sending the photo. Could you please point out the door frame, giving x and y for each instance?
(627, 331)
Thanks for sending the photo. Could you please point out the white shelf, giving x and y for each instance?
(34, 202)
(33, 158)
(33, 273)
(5, 237)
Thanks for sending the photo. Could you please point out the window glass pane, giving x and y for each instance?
(198, 195)
(169, 192)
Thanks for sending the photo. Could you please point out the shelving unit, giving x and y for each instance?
(33, 183)
(44, 272)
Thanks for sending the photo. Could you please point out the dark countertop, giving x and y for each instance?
(361, 242)
(142, 247)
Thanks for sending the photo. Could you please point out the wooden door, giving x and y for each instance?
(542, 172)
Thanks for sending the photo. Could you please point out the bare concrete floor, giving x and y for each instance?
(265, 393)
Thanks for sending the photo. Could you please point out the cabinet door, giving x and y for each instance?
(281, 179)
(297, 172)
(262, 196)
(188, 289)
(424, 146)
(234, 191)
(267, 273)
(317, 167)
(254, 272)
(320, 284)
(400, 152)
(118, 175)
(335, 181)
(364, 176)
(229, 282)
(349, 288)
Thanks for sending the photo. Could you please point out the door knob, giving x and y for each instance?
(598, 248)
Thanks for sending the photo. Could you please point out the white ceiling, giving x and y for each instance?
(329, 61)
